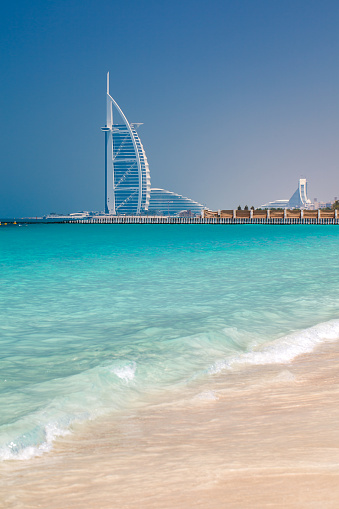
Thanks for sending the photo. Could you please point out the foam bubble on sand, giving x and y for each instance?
(284, 376)
(285, 349)
(206, 396)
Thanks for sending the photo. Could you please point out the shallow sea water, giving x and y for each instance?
(136, 354)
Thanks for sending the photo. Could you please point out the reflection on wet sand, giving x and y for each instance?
(262, 436)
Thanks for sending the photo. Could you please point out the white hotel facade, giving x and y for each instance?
(299, 199)
(127, 175)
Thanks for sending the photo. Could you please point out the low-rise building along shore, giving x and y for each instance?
(287, 216)
(222, 217)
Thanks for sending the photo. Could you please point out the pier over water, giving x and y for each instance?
(311, 217)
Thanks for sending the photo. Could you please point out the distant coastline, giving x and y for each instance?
(277, 217)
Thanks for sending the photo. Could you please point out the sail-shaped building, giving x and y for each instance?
(127, 176)
(298, 200)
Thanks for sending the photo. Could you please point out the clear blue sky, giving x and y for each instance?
(239, 98)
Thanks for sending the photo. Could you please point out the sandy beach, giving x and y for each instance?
(169, 255)
(262, 436)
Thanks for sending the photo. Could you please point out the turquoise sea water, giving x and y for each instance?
(99, 319)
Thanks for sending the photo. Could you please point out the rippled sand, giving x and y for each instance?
(264, 436)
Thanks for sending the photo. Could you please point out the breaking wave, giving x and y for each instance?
(126, 384)
(284, 349)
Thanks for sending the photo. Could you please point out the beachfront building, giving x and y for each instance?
(127, 176)
(164, 202)
(298, 200)
(277, 204)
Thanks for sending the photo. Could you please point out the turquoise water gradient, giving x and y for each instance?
(97, 318)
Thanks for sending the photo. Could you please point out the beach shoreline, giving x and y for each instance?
(263, 437)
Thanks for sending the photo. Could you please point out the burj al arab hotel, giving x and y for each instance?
(127, 176)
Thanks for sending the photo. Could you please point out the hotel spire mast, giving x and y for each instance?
(109, 164)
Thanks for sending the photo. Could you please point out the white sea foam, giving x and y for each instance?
(13, 452)
(284, 349)
(126, 373)
(104, 391)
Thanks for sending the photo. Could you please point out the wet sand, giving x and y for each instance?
(256, 437)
